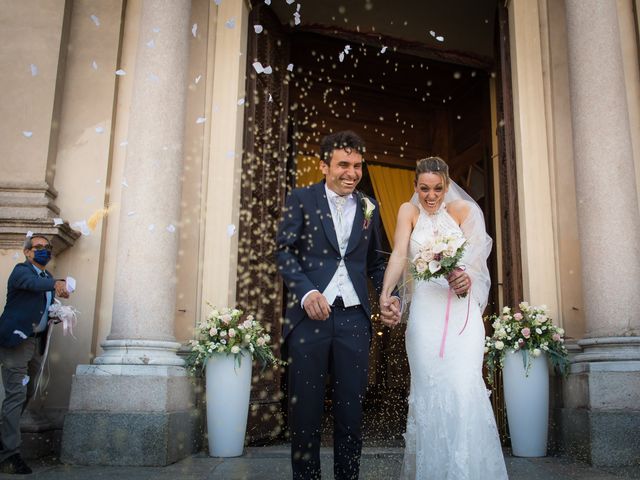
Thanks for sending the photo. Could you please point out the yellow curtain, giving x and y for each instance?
(393, 187)
(307, 170)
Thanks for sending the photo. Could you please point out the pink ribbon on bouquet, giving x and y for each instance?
(446, 319)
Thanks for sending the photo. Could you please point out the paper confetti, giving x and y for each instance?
(20, 333)
(267, 2)
(82, 226)
(241, 101)
(270, 98)
(120, 72)
(258, 28)
(27, 133)
(151, 227)
(258, 67)
(384, 49)
(124, 143)
(131, 213)
(29, 234)
(156, 29)
(99, 129)
(197, 79)
(151, 43)
(290, 67)
(124, 182)
(25, 379)
(296, 18)
(96, 20)
(231, 229)
(231, 23)
(94, 65)
(57, 221)
(171, 228)
(200, 120)
(34, 70)
(194, 30)
(289, 2)
(217, 2)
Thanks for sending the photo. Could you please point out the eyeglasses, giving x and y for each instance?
(41, 247)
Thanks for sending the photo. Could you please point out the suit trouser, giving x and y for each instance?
(340, 346)
(20, 367)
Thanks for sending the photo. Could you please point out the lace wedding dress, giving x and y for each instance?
(451, 431)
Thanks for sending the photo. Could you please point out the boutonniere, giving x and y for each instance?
(367, 208)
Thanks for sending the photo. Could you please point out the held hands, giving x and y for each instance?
(390, 310)
(61, 289)
(459, 281)
(316, 306)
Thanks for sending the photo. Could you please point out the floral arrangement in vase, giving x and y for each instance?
(530, 331)
(228, 331)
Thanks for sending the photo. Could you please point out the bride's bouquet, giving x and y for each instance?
(227, 331)
(438, 257)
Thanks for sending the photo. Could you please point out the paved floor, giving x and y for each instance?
(272, 463)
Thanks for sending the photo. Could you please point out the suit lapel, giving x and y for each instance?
(358, 221)
(325, 215)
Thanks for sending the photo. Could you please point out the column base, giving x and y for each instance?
(600, 420)
(133, 415)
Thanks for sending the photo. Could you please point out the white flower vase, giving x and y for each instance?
(228, 386)
(527, 402)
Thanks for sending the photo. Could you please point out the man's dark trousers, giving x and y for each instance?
(339, 346)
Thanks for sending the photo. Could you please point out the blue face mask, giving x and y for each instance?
(42, 257)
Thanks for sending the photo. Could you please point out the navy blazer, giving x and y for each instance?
(26, 301)
(308, 255)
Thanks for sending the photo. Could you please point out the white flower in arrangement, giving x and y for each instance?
(501, 333)
(536, 352)
(235, 349)
(260, 341)
(223, 333)
(232, 333)
(524, 305)
(560, 331)
(247, 338)
(506, 310)
(539, 331)
(213, 331)
(226, 318)
(499, 344)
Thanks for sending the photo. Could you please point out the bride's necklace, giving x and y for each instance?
(434, 219)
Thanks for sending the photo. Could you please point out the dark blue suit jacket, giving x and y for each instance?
(308, 254)
(26, 301)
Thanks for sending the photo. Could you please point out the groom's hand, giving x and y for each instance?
(316, 306)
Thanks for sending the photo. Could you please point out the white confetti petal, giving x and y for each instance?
(34, 70)
(289, 2)
(298, 6)
(151, 43)
(341, 56)
(290, 67)
(96, 20)
(99, 129)
(258, 28)
(124, 182)
(94, 65)
(197, 79)
(231, 229)
(82, 226)
(268, 70)
(270, 98)
(27, 133)
(432, 33)
(57, 221)
(120, 72)
(151, 227)
(217, 2)
(20, 333)
(267, 2)
(384, 49)
(29, 234)
(171, 228)
(194, 30)
(258, 67)
(296, 18)
(124, 143)
(131, 213)
(201, 120)
(25, 379)
(241, 101)
(231, 23)
(156, 29)
(440, 38)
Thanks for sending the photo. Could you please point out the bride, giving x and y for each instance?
(451, 432)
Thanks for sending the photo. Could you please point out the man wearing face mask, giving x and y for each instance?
(23, 336)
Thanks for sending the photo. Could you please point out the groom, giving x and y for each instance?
(328, 244)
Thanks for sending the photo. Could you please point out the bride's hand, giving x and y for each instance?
(390, 310)
(459, 281)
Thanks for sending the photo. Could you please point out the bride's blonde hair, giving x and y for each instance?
(433, 165)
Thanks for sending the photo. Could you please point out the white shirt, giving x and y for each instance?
(340, 284)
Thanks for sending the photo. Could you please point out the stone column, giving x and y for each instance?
(134, 405)
(602, 394)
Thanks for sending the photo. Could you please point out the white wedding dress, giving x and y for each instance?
(451, 431)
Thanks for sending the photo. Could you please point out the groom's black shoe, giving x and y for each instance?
(14, 464)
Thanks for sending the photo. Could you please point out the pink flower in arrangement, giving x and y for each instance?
(517, 316)
(556, 337)
(526, 332)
